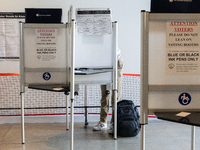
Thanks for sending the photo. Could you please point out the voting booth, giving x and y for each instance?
(170, 68)
(96, 50)
(46, 60)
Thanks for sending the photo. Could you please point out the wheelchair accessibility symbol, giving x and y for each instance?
(184, 99)
(46, 76)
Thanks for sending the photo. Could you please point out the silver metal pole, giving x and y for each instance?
(67, 112)
(115, 46)
(72, 83)
(193, 138)
(144, 75)
(22, 85)
(68, 74)
(22, 118)
(142, 137)
(144, 68)
(21, 42)
(85, 104)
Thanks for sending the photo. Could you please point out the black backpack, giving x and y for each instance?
(128, 119)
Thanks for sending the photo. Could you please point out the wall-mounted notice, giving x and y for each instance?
(9, 34)
(46, 47)
(182, 48)
(93, 21)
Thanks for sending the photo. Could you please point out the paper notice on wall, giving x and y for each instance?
(9, 34)
(93, 22)
(182, 48)
(9, 38)
(46, 44)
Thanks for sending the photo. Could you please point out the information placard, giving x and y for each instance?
(46, 47)
(182, 48)
(93, 22)
(9, 34)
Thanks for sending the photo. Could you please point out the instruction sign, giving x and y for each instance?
(182, 48)
(46, 47)
(93, 22)
(9, 34)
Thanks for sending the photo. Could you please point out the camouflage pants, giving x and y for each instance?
(105, 98)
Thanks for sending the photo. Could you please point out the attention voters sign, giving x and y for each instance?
(182, 48)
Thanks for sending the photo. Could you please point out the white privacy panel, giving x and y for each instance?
(46, 54)
(93, 51)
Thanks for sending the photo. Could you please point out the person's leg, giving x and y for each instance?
(119, 90)
(105, 104)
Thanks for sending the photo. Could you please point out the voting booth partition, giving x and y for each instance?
(170, 68)
(46, 60)
(96, 51)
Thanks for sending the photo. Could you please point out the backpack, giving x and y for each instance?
(128, 119)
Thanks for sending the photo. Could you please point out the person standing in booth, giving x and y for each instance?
(105, 98)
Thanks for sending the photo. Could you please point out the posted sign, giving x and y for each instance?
(182, 48)
(46, 47)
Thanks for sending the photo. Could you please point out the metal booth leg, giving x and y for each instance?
(67, 111)
(193, 138)
(72, 126)
(115, 47)
(22, 118)
(115, 115)
(72, 83)
(85, 104)
(142, 137)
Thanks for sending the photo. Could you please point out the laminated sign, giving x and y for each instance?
(93, 22)
(46, 47)
(182, 48)
(9, 34)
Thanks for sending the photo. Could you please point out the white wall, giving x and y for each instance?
(126, 12)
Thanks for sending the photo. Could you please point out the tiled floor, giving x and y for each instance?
(160, 135)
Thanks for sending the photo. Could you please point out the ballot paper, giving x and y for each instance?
(183, 114)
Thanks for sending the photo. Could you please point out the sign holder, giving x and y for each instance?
(172, 86)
